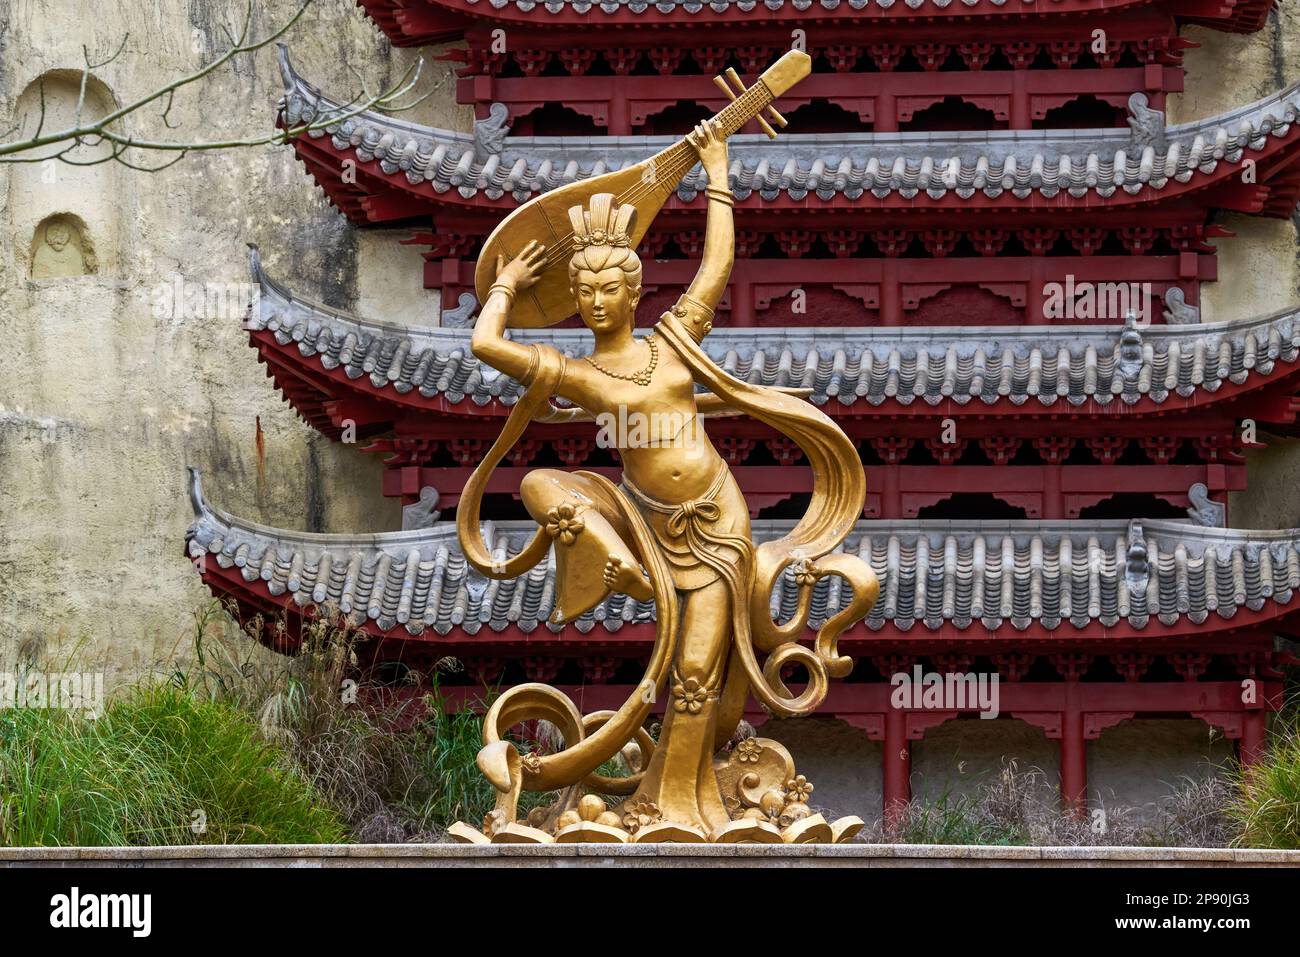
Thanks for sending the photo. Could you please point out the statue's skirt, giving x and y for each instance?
(697, 536)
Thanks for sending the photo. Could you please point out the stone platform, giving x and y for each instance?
(642, 855)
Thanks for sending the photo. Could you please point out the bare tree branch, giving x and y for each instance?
(93, 132)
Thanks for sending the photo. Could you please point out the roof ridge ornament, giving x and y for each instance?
(1178, 311)
(490, 133)
(1137, 565)
(197, 502)
(1205, 511)
(255, 263)
(288, 76)
(462, 315)
(1148, 125)
(1130, 349)
(423, 513)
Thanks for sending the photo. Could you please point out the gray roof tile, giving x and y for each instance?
(1042, 366)
(1023, 163)
(763, 7)
(932, 574)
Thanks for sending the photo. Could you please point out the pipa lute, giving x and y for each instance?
(647, 185)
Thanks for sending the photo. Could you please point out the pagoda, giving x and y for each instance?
(984, 258)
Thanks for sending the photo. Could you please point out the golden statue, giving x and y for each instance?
(676, 529)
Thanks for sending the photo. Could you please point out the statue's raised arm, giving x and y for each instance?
(489, 342)
(696, 307)
(646, 186)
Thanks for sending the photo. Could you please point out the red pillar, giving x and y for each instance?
(1036, 292)
(891, 497)
(1020, 118)
(742, 302)
(619, 120)
(1254, 726)
(1074, 757)
(886, 114)
(1053, 500)
(897, 764)
(891, 294)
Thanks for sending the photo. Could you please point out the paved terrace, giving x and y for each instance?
(650, 855)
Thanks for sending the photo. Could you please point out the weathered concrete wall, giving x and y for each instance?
(1136, 763)
(102, 402)
(842, 764)
(1132, 765)
(1259, 268)
(961, 757)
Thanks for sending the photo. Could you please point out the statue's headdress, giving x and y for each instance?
(602, 223)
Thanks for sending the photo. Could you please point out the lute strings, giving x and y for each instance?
(677, 160)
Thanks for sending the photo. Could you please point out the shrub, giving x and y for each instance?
(160, 766)
(394, 767)
(1266, 808)
(1195, 813)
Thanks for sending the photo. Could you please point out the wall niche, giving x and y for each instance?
(50, 240)
(61, 248)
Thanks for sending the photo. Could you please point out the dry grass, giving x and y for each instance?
(1020, 806)
(340, 725)
(394, 768)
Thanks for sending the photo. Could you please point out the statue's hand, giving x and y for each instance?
(712, 150)
(525, 269)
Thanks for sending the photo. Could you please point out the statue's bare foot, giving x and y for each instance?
(627, 579)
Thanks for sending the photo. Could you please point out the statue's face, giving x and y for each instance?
(57, 235)
(604, 299)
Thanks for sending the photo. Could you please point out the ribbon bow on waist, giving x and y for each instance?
(692, 512)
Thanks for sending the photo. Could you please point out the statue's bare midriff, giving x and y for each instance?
(683, 463)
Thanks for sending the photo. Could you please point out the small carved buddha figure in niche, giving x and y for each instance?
(61, 251)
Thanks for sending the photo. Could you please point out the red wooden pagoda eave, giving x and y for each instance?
(417, 414)
(380, 198)
(420, 22)
(1245, 631)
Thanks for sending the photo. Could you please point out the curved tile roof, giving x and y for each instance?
(1041, 366)
(1023, 164)
(749, 6)
(932, 574)
(764, 8)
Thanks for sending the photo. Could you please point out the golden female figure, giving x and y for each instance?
(676, 530)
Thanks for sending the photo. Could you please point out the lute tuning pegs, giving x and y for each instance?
(721, 82)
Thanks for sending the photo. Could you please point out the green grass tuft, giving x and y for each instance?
(155, 765)
(315, 748)
(1266, 805)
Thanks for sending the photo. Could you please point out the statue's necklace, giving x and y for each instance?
(640, 378)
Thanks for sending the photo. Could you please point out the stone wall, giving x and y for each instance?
(1259, 268)
(105, 396)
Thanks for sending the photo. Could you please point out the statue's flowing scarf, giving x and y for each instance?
(839, 492)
